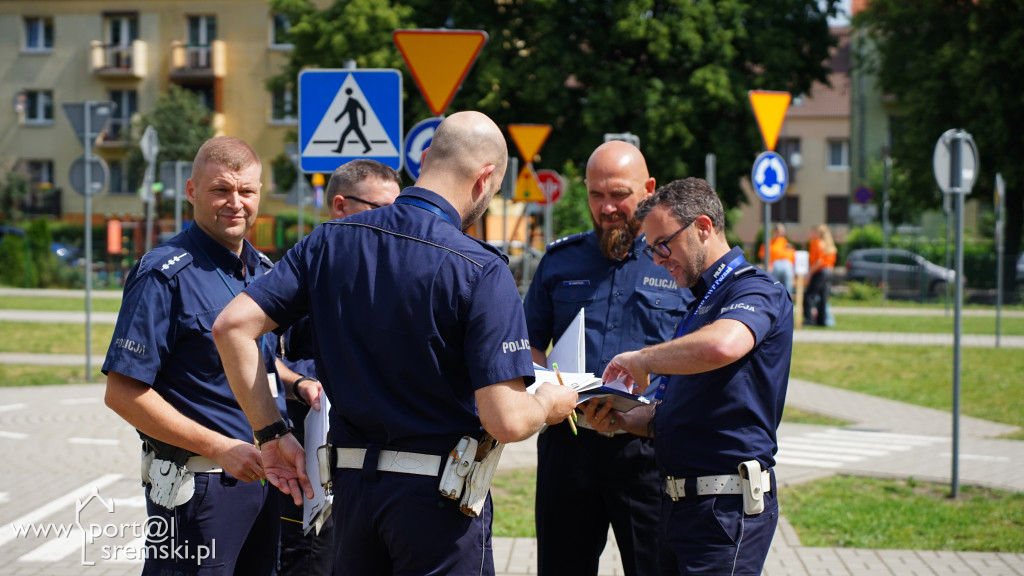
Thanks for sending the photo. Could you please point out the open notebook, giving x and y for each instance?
(570, 353)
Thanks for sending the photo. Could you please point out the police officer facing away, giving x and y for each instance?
(164, 377)
(354, 187)
(422, 338)
(629, 302)
(715, 431)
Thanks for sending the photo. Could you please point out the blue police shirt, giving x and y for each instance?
(629, 303)
(163, 334)
(410, 315)
(710, 422)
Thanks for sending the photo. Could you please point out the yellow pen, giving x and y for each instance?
(571, 420)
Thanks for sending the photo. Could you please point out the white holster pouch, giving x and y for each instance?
(469, 471)
(457, 468)
(325, 466)
(171, 484)
(751, 488)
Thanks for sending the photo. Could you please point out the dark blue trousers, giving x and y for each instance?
(585, 483)
(711, 536)
(391, 523)
(228, 527)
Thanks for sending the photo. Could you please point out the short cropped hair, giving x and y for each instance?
(351, 174)
(686, 199)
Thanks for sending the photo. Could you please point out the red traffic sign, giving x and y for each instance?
(552, 184)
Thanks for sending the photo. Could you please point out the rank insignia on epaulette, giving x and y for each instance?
(173, 261)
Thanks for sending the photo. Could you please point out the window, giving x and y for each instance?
(202, 31)
(280, 26)
(40, 173)
(787, 210)
(837, 210)
(38, 34)
(126, 104)
(122, 30)
(283, 106)
(38, 107)
(838, 154)
(789, 149)
(118, 177)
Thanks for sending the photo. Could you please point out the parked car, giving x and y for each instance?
(66, 254)
(908, 274)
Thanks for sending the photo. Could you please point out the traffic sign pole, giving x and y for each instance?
(88, 243)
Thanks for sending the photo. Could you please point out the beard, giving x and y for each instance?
(616, 242)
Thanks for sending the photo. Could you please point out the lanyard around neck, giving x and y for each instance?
(684, 325)
(413, 201)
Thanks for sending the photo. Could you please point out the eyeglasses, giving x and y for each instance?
(661, 248)
(367, 202)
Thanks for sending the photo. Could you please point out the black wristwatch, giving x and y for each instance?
(295, 388)
(272, 432)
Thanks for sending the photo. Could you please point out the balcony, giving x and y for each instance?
(191, 64)
(116, 135)
(117, 62)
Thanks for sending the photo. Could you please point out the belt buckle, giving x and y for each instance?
(671, 488)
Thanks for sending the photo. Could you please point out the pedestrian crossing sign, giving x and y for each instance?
(349, 114)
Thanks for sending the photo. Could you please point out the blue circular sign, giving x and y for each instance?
(416, 141)
(770, 177)
(863, 194)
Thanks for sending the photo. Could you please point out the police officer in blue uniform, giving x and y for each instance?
(422, 342)
(354, 187)
(715, 431)
(164, 377)
(628, 302)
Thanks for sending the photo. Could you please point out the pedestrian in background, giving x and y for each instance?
(822, 258)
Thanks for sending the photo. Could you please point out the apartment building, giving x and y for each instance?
(130, 52)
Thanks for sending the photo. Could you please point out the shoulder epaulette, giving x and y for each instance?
(748, 269)
(265, 259)
(567, 241)
(168, 260)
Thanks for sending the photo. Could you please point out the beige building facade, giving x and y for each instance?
(130, 52)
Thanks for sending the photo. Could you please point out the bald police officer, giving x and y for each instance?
(423, 341)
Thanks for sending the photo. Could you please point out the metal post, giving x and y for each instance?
(179, 192)
(885, 228)
(709, 170)
(87, 106)
(956, 182)
(767, 237)
(1000, 210)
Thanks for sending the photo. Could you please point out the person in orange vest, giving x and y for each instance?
(822, 260)
(782, 254)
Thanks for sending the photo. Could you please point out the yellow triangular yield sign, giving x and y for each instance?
(527, 185)
(529, 138)
(770, 111)
(439, 61)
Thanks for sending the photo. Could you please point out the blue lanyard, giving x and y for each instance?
(425, 205)
(736, 263)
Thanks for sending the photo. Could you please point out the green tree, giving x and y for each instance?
(13, 190)
(182, 124)
(953, 64)
(674, 72)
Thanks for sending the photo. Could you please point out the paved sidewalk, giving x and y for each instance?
(47, 431)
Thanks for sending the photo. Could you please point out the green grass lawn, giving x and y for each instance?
(25, 375)
(1009, 326)
(991, 384)
(58, 304)
(857, 512)
(845, 512)
(36, 338)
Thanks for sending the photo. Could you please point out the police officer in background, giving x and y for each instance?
(354, 187)
(164, 376)
(586, 482)
(715, 432)
(421, 340)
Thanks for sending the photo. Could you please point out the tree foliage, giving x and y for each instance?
(182, 124)
(954, 64)
(674, 72)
